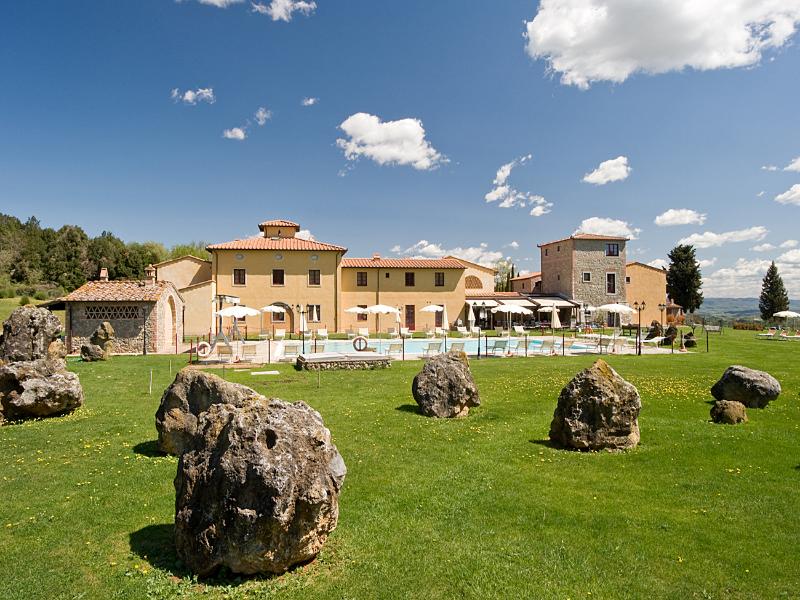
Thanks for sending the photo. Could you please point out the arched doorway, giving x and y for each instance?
(288, 319)
(171, 325)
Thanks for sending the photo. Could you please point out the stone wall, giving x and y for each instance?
(557, 268)
(166, 332)
(129, 332)
(590, 256)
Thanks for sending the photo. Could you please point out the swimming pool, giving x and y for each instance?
(420, 346)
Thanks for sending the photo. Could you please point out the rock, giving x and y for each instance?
(38, 388)
(257, 491)
(655, 331)
(689, 340)
(670, 335)
(729, 412)
(92, 353)
(28, 333)
(57, 350)
(597, 410)
(754, 389)
(192, 393)
(445, 387)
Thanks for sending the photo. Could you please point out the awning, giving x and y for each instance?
(518, 302)
(554, 301)
(487, 303)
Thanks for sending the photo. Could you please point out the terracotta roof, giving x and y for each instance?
(646, 266)
(180, 258)
(496, 295)
(402, 263)
(278, 223)
(586, 236)
(528, 276)
(473, 264)
(118, 291)
(262, 243)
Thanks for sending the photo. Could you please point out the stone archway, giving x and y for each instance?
(288, 322)
(171, 325)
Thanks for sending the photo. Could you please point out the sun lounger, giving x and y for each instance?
(291, 350)
(224, 351)
(363, 332)
(394, 348)
(654, 342)
(475, 331)
(519, 329)
(322, 334)
(456, 347)
(497, 344)
(438, 332)
(405, 332)
(249, 352)
(431, 348)
(393, 333)
(463, 331)
(547, 347)
(280, 334)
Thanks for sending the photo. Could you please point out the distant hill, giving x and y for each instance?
(732, 308)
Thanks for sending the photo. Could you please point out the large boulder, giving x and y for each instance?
(754, 389)
(192, 393)
(257, 491)
(597, 410)
(728, 412)
(92, 353)
(655, 330)
(28, 333)
(99, 346)
(38, 388)
(445, 387)
(670, 335)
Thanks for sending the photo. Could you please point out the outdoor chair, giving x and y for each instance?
(394, 348)
(456, 347)
(475, 331)
(463, 331)
(307, 334)
(438, 332)
(519, 330)
(322, 334)
(499, 331)
(249, 351)
(291, 350)
(497, 344)
(280, 334)
(654, 342)
(404, 332)
(603, 343)
(547, 347)
(363, 332)
(319, 347)
(429, 333)
(514, 347)
(432, 348)
(393, 333)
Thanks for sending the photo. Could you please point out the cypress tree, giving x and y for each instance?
(773, 294)
(683, 278)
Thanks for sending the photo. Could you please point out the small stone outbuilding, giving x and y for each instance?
(147, 315)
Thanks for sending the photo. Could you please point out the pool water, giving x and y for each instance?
(419, 346)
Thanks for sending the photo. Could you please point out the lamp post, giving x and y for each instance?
(302, 313)
(639, 308)
(661, 308)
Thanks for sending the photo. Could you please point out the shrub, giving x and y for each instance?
(40, 295)
(24, 300)
(747, 325)
(6, 293)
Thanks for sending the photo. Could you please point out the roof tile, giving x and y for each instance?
(402, 263)
(118, 291)
(262, 243)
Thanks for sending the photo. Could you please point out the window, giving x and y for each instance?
(437, 319)
(586, 277)
(387, 275)
(361, 278)
(558, 277)
(409, 279)
(277, 276)
(558, 248)
(103, 312)
(313, 313)
(627, 280)
(545, 251)
(438, 279)
(611, 283)
(362, 317)
(279, 317)
(239, 277)
(612, 249)
(313, 277)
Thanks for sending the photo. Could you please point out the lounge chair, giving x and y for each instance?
(514, 347)
(475, 331)
(405, 333)
(307, 334)
(280, 334)
(394, 348)
(603, 343)
(249, 352)
(497, 344)
(363, 332)
(499, 331)
(322, 334)
(393, 333)
(463, 331)
(547, 347)
(319, 347)
(431, 348)
(655, 342)
(429, 333)
(519, 330)
(438, 332)
(224, 351)
(291, 350)
(456, 347)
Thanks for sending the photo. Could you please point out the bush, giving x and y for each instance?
(748, 325)
(24, 300)
(6, 293)
(40, 295)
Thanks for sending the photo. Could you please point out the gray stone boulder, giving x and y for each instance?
(28, 333)
(92, 353)
(597, 410)
(754, 389)
(728, 412)
(257, 491)
(192, 393)
(444, 387)
(670, 335)
(38, 388)
(100, 342)
(655, 330)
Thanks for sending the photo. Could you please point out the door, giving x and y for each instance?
(410, 316)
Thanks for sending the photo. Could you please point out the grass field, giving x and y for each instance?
(473, 508)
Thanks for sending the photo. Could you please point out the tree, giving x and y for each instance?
(501, 279)
(773, 295)
(683, 278)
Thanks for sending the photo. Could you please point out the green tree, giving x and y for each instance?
(683, 278)
(106, 250)
(501, 282)
(773, 294)
(197, 249)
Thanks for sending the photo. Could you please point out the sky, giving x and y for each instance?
(414, 128)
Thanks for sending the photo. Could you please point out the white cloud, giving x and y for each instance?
(609, 40)
(400, 142)
(769, 168)
(680, 216)
(282, 10)
(514, 244)
(235, 133)
(220, 3)
(793, 166)
(193, 96)
(263, 115)
(762, 248)
(425, 249)
(790, 196)
(744, 278)
(508, 196)
(792, 256)
(708, 262)
(790, 244)
(605, 226)
(710, 239)
(309, 101)
(761, 193)
(659, 263)
(305, 234)
(616, 169)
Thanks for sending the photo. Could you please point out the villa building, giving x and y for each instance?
(192, 277)
(647, 284)
(530, 283)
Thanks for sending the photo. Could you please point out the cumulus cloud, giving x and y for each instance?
(220, 3)
(680, 216)
(282, 10)
(305, 234)
(710, 239)
(616, 169)
(263, 115)
(793, 166)
(309, 101)
(659, 263)
(744, 278)
(790, 196)
(480, 254)
(708, 262)
(235, 133)
(610, 227)
(509, 197)
(400, 142)
(586, 41)
(762, 248)
(514, 244)
(790, 244)
(769, 168)
(193, 96)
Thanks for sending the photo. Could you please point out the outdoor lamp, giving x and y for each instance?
(483, 311)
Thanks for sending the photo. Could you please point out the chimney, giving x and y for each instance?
(150, 275)
(376, 256)
(103, 274)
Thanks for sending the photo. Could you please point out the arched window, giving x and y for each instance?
(473, 283)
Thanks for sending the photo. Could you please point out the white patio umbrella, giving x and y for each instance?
(787, 314)
(432, 308)
(270, 308)
(470, 317)
(356, 310)
(238, 312)
(445, 320)
(617, 309)
(510, 309)
(378, 310)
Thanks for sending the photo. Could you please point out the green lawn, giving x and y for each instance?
(474, 508)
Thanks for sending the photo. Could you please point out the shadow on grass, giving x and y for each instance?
(409, 408)
(149, 449)
(545, 442)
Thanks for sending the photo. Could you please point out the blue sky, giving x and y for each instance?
(90, 133)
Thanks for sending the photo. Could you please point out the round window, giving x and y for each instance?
(314, 257)
(279, 257)
(239, 257)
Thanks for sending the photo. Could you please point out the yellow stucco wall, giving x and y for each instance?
(184, 272)
(486, 279)
(648, 285)
(258, 290)
(198, 313)
(392, 291)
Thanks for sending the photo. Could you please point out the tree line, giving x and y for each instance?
(59, 260)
